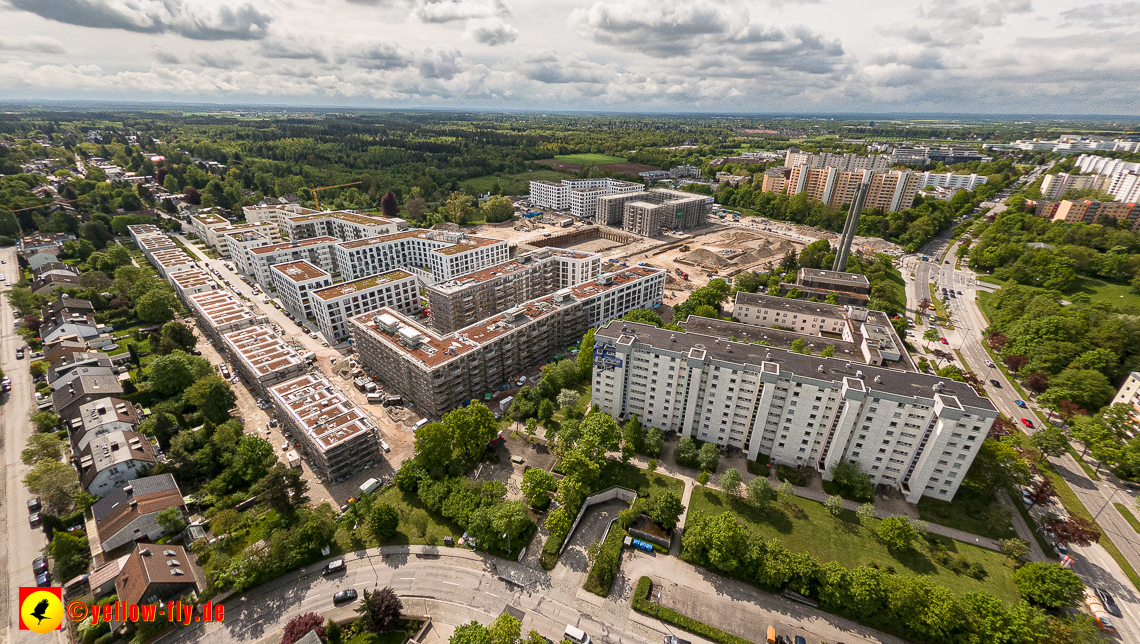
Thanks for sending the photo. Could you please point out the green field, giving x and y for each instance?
(808, 527)
(1105, 293)
(587, 159)
(511, 184)
(634, 478)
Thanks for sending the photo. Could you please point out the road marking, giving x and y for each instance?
(491, 594)
(410, 579)
(449, 583)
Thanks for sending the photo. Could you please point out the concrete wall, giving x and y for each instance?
(629, 496)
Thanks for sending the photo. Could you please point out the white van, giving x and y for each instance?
(375, 399)
(369, 486)
(576, 635)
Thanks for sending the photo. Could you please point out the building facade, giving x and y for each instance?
(565, 195)
(334, 306)
(345, 226)
(659, 209)
(295, 283)
(317, 251)
(262, 357)
(432, 255)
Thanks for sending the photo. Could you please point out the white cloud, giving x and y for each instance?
(197, 19)
(38, 44)
(491, 31)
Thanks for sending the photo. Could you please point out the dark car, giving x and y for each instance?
(800, 640)
(34, 519)
(995, 383)
(40, 565)
(1108, 601)
(43, 580)
(195, 352)
(348, 595)
(19, 354)
(334, 566)
(34, 504)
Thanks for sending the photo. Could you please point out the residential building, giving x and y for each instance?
(111, 460)
(138, 231)
(776, 180)
(344, 225)
(218, 312)
(275, 213)
(170, 261)
(295, 283)
(49, 284)
(1054, 186)
(892, 191)
(562, 196)
(159, 574)
(127, 515)
(333, 306)
(64, 346)
(670, 209)
(262, 357)
(101, 417)
(337, 437)
(1125, 186)
(913, 431)
(191, 281)
(438, 372)
(55, 268)
(951, 156)
(227, 249)
(1129, 394)
(431, 255)
(69, 316)
(841, 162)
(203, 224)
(89, 363)
(951, 180)
(317, 251)
(154, 242)
(1095, 164)
(1089, 212)
(242, 241)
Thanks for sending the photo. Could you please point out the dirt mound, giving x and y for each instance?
(753, 257)
(707, 257)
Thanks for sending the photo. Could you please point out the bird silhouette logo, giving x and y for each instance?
(41, 609)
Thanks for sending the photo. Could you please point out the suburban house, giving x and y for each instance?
(127, 515)
(67, 400)
(110, 461)
(153, 574)
(101, 417)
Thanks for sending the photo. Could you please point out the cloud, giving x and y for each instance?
(1104, 16)
(491, 31)
(37, 44)
(548, 67)
(441, 11)
(378, 56)
(195, 19)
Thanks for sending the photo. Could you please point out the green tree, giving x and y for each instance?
(45, 421)
(654, 442)
(381, 610)
(546, 410)
(760, 491)
(1087, 388)
(568, 398)
(171, 521)
(433, 446)
(799, 346)
(497, 209)
(537, 484)
(832, 298)
(709, 457)
(1014, 548)
(54, 482)
(852, 480)
(667, 509)
(177, 335)
(633, 436)
(866, 512)
(459, 209)
(827, 352)
(170, 374)
(253, 458)
(42, 447)
(70, 552)
(156, 306)
(282, 489)
(896, 532)
(212, 396)
(472, 428)
(1050, 440)
(558, 524)
(834, 504)
(786, 493)
(383, 521)
(730, 481)
(1000, 466)
(38, 368)
(1048, 584)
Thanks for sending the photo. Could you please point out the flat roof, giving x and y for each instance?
(499, 271)
(363, 284)
(154, 241)
(262, 350)
(835, 276)
(322, 410)
(171, 257)
(297, 243)
(220, 308)
(447, 246)
(352, 217)
(471, 243)
(190, 278)
(788, 304)
(905, 383)
(744, 332)
(301, 271)
(211, 219)
(434, 349)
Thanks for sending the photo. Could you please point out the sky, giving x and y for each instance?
(754, 56)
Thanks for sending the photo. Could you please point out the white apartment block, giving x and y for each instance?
(170, 261)
(1129, 394)
(275, 214)
(203, 225)
(1053, 186)
(951, 180)
(191, 281)
(432, 255)
(154, 243)
(221, 235)
(141, 230)
(842, 162)
(916, 432)
(318, 251)
(1125, 187)
(238, 243)
(1091, 163)
(262, 357)
(564, 196)
(295, 283)
(345, 226)
(219, 313)
(333, 306)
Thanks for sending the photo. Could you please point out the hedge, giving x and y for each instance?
(642, 604)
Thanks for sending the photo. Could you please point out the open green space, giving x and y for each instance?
(413, 515)
(971, 510)
(1103, 292)
(586, 159)
(637, 479)
(511, 184)
(1128, 516)
(806, 526)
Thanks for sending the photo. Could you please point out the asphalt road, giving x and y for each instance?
(1093, 563)
(19, 542)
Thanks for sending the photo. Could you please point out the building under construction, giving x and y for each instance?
(647, 213)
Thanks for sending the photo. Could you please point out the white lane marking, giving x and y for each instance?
(408, 578)
(450, 583)
(491, 594)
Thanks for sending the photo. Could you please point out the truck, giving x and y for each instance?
(685, 248)
(375, 399)
(566, 223)
(369, 486)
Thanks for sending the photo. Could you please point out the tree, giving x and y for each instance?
(798, 346)
(537, 484)
(1078, 530)
(667, 509)
(930, 335)
(178, 335)
(1014, 548)
(381, 610)
(212, 396)
(389, 207)
(730, 481)
(156, 306)
(1048, 584)
(282, 489)
(1050, 440)
(1015, 362)
(834, 504)
(38, 368)
(760, 491)
(558, 524)
(170, 374)
(686, 452)
(896, 533)
(866, 512)
(654, 442)
(42, 447)
(459, 208)
(568, 398)
(633, 437)
(1089, 389)
(1000, 466)
(497, 209)
(1041, 491)
(300, 625)
(786, 493)
(333, 633)
(546, 410)
(70, 552)
(54, 482)
(709, 457)
(433, 446)
(472, 428)
(852, 480)
(383, 521)
(45, 421)
(827, 352)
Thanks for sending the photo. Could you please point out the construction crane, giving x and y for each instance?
(315, 190)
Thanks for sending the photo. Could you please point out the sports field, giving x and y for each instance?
(587, 159)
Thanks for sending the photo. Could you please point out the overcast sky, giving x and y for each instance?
(984, 56)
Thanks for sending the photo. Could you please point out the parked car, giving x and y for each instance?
(1109, 603)
(673, 639)
(20, 354)
(43, 580)
(1021, 403)
(334, 566)
(1028, 423)
(34, 504)
(40, 565)
(35, 519)
(944, 341)
(347, 595)
(1060, 548)
(990, 364)
(800, 640)
(285, 446)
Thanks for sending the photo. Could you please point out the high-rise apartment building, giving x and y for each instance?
(646, 213)
(913, 431)
(432, 255)
(841, 162)
(335, 305)
(317, 251)
(345, 226)
(295, 283)
(579, 196)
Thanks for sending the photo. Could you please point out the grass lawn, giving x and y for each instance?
(635, 478)
(511, 184)
(1128, 516)
(585, 159)
(408, 505)
(806, 526)
(1103, 292)
(391, 637)
(966, 512)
